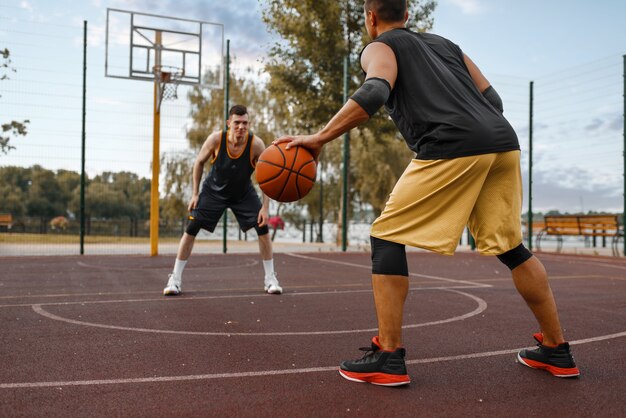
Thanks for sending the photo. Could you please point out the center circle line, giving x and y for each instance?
(482, 306)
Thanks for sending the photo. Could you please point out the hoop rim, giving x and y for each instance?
(174, 76)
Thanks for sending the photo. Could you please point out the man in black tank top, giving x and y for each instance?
(233, 154)
(466, 172)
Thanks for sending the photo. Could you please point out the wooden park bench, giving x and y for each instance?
(6, 222)
(581, 225)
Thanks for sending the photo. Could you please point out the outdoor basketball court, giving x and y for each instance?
(93, 336)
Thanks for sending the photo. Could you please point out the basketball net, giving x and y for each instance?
(168, 82)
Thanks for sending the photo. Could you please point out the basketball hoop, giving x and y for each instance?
(168, 82)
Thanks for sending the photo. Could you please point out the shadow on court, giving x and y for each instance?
(93, 336)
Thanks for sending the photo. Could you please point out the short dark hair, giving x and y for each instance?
(239, 110)
(387, 10)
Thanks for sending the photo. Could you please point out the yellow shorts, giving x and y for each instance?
(434, 200)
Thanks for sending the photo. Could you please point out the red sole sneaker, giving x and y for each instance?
(555, 371)
(381, 379)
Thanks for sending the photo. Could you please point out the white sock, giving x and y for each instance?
(268, 266)
(179, 266)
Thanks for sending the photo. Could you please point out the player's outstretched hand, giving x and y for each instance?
(262, 217)
(193, 203)
(310, 142)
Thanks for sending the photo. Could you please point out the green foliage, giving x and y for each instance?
(45, 194)
(178, 174)
(44, 197)
(12, 128)
(306, 65)
(103, 201)
(384, 160)
(115, 195)
(5, 65)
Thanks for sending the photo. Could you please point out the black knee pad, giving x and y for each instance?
(194, 226)
(388, 258)
(515, 257)
(261, 230)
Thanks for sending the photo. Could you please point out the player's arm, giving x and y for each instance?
(258, 146)
(483, 84)
(209, 149)
(379, 63)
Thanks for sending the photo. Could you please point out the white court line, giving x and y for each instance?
(164, 299)
(369, 267)
(287, 371)
(467, 285)
(250, 262)
(511, 351)
(482, 305)
(613, 266)
(279, 372)
(617, 264)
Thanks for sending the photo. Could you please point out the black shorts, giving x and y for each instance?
(211, 208)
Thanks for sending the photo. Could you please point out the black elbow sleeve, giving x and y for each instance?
(493, 97)
(372, 94)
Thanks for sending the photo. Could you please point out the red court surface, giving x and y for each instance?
(93, 336)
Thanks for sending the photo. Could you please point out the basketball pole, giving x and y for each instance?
(346, 138)
(624, 168)
(83, 137)
(346, 163)
(156, 155)
(226, 100)
(530, 170)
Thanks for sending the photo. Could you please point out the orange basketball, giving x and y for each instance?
(286, 175)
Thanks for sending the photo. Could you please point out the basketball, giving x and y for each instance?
(286, 175)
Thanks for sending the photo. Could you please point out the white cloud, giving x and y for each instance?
(576, 189)
(26, 6)
(469, 7)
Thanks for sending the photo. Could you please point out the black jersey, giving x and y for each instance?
(436, 105)
(229, 178)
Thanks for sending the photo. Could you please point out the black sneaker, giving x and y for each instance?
(557, 360)
(377, 366)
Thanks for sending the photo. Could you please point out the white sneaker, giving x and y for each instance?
(272, 285)
(174, 285)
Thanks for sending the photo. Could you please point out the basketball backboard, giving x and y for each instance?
(142, 46)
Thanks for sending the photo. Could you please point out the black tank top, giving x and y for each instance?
(436, 105)
(229, 178)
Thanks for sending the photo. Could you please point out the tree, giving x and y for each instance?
(386, 159)
(177, 168)
(112, 196)
(116, 196)
(12, 128)
(102, 201)
(14, 183)
(306, 76)
(69, 182)
(44, 196)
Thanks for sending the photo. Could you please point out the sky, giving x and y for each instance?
(571, 51)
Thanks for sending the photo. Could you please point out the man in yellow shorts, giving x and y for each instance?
(466, 172)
